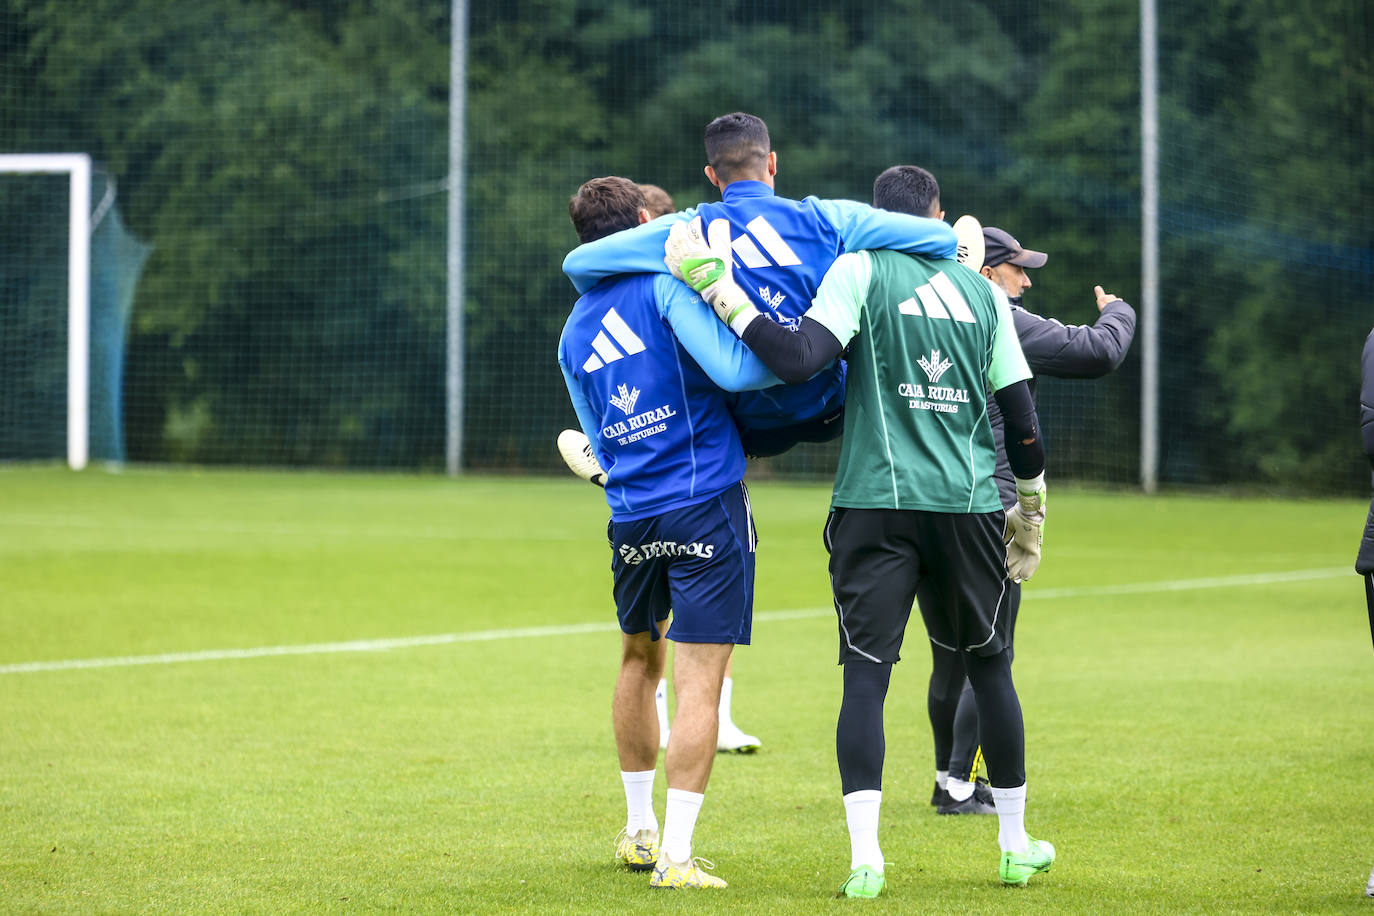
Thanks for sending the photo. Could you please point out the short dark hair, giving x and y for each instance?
(737, 144)
(656, 200)
(604, 206)
(907, 189)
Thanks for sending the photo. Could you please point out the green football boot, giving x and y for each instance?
(863, 883)
(1017, 868)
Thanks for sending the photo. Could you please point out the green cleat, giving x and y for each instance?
(1017, 868)
(863, 882)
(637, 852)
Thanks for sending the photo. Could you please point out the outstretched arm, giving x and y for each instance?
(1077, 350)
(630, 251)
(861, 226)
(714, 347)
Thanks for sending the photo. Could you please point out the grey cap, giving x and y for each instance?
(1001, 248)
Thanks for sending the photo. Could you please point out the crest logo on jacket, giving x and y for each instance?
(626, 399)
(933, 365)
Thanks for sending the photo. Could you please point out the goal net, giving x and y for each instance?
(68, 269)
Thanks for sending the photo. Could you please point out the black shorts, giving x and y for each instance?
(878, 558)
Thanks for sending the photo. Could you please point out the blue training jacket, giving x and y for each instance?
(782, 249)
(647, 365)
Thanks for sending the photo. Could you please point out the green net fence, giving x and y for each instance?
(287, 164)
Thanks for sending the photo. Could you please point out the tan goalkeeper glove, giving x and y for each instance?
(1025, 524)
(704, 262)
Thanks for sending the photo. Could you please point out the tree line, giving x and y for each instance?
(286, 161)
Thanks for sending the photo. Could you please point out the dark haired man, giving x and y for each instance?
(1051, 349)
(645, 363)
(915, 499)
(577, 452)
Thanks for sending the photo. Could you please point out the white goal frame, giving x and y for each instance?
(77, 166)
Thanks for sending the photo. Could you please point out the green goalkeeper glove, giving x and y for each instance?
(1025, 528)
(704, 262)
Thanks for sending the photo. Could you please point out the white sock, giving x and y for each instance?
(958, 789)
(1011, 819)
(679, 822)
(661, 703)
(639, 801)
(727, 688)
(861, 811)
(941, 778)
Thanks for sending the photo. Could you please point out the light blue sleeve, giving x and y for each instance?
(724, 357)
(629, 251)
(861, 226)
(585, 417)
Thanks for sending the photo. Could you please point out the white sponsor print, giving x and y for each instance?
(625, 400)
(939, 398)
(933, 365)
(637, 426)
(634, 554)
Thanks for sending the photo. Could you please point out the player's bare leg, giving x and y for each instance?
(698, 669)
(636, 740)
(730, 737)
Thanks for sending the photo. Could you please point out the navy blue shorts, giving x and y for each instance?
(696, 562)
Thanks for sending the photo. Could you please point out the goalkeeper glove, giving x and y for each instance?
(704, 262)
(1025, 524)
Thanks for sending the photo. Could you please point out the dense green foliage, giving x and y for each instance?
(287, 162)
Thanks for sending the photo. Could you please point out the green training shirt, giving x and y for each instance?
(928, 340)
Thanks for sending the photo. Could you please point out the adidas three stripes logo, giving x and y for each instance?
(940, 299)
(613, 331)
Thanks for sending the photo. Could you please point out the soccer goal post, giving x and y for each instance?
(77, 168)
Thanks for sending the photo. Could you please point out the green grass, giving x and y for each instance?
(1199, 748)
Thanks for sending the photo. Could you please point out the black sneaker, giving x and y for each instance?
(982, 791)
(940, 796)
(970, 805)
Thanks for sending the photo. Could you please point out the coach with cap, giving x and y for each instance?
(1054, 349)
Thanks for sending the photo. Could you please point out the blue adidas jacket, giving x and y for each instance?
(647, 365)
(782, 249)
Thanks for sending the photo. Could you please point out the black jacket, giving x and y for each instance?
(1364, 561)
(1063, 351)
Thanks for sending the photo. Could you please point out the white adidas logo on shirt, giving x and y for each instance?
(940, 299)
(606, 351)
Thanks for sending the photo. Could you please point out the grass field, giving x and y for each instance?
(304, 693)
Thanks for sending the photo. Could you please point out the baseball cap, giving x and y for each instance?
(1000, 247)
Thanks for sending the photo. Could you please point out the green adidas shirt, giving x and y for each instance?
(928, 341)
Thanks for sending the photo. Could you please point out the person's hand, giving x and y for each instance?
(1024, 534)
(1103, 298)
(703, 260)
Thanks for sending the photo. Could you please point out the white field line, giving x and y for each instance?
(576, 629)
(309, 533)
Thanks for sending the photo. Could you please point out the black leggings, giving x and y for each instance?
(1001, 730)
(859, 741)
